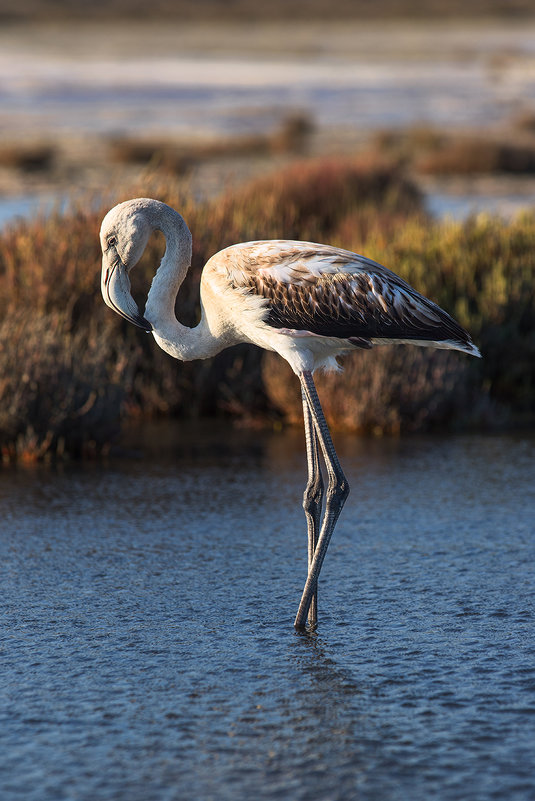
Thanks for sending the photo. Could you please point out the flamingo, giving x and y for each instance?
(308, 302)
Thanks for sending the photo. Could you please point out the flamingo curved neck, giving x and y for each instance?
(176, 339)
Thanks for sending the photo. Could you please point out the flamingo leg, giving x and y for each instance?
(312, 499)
(337, 492)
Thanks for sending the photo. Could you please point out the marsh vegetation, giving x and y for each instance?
(72, 372)
(310, 130)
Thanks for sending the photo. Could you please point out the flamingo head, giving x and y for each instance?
(124, 234)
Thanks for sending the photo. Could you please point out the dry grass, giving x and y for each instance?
(178, 157)
(71, 370)
(386, 391)
(472, 155)
(435, 153)
(27, 157)
(61, 389)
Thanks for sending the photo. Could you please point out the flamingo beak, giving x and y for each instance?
(116, 293)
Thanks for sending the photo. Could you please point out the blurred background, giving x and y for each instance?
(219, 91)
(147, 599)
(403, 130)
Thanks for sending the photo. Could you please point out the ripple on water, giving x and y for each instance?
(147, 642)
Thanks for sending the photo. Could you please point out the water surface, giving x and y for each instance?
(147, 648)
(240, 78)
(71, 84)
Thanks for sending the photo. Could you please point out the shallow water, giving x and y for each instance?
(191, 80)
(147, 642)
(70, 83)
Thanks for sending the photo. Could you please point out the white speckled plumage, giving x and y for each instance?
(308, 302)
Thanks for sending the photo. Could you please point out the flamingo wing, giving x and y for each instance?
(332, 292)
